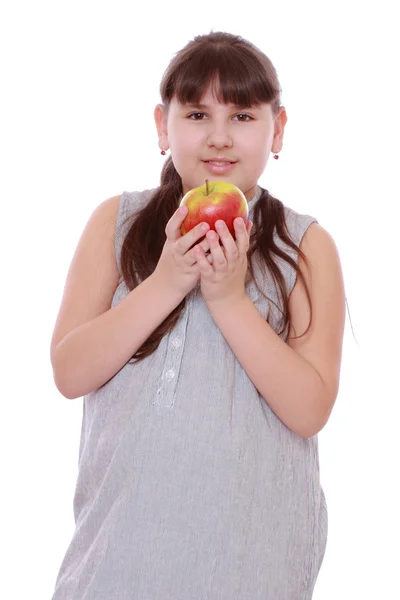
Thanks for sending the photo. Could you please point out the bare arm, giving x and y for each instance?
(91, 354)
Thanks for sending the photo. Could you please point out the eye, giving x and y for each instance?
(195, 114)
(246, 117)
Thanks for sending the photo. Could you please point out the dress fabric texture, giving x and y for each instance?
(189, 486)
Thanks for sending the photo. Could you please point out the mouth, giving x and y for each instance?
(219, 163)
(219, 167)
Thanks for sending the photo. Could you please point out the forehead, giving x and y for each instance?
(212, 95)
(212, 98)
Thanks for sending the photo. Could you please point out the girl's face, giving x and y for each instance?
(210, 131)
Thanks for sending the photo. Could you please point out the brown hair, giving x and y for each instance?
(246, 78)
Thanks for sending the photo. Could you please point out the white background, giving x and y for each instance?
(80, 82)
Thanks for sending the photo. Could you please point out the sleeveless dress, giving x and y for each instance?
(189, 486)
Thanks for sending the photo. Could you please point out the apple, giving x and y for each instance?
(212, 201)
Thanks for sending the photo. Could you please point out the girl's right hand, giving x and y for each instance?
(177, 267)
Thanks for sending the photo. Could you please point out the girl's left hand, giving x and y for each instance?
(223, 272)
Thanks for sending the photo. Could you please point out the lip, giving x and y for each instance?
(219, 169)
(219, 159)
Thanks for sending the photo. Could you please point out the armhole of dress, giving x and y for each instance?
(118, 235)
(300, 225)
(297, 227)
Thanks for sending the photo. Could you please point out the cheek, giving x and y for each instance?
(257, 147)
(186, 146)
(256, 152)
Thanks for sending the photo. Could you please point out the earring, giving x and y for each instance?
(276, 156)
(163, 152)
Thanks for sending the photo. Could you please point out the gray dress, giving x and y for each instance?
(189, 486)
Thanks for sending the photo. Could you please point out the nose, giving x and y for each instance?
(219, 137)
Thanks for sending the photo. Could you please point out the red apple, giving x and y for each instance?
(212, 201)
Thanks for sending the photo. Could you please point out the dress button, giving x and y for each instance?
(176, 342)
(170, 374)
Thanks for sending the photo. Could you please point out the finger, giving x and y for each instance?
(173, 227)
(229, 246)
(204, 244)
(227, 240)
(193, 261)
(216, 250)
(242, 235)
(187, 241)
(203, 261)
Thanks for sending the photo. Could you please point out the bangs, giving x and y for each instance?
(235, 75)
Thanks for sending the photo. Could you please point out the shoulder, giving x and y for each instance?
(319, 248)
(322, 262)
(106, 212)
(308, 230)
(104, 217)
(125, 201)
(297, 223)
(110, 205)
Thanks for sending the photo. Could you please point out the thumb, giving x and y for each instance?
(173, 227)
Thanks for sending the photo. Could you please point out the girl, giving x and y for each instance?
(208, 365)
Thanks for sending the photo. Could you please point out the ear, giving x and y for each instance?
(279, 129)
(160, 117)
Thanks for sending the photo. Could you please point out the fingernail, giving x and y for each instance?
(204, 226)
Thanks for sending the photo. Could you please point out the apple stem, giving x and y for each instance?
(206, 187)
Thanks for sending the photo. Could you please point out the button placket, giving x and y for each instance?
(176, 342)
(170, 374)
(166, 391)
